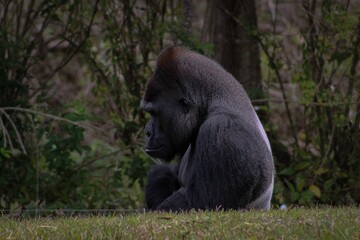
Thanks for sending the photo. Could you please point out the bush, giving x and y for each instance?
(324, 166)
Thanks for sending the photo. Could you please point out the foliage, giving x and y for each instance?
(324, 166)
(301, 223)
(37, 168)
(47, 158)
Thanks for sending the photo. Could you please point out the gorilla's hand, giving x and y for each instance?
(162, 182)
(178, 201)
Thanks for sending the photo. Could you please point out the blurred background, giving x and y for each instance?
(72, 74)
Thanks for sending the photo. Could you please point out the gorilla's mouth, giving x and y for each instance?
(155, 149)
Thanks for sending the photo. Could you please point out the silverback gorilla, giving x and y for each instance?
(201, 113)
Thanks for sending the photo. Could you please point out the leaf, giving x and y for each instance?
(287, 171)
(321, 170)
(300, 183)
(302, 165)
(316, 190)
(5, 153)
(294, 196)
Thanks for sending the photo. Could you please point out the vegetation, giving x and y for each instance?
(323, 128)
(316, 223)
(72, 75)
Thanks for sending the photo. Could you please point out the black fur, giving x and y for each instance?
(200, 112)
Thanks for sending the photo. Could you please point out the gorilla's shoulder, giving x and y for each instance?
(230, 128)
(226, 122)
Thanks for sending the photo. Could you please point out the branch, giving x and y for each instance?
(15, 129)
(79, 46)
(6, 135)
(321, 104)
(4, 109)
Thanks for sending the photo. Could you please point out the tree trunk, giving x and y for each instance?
(235, 49)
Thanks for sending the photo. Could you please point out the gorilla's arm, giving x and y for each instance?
(219, 174)
(162, 182)
(232, 164)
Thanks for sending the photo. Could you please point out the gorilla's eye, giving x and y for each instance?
(184, 104)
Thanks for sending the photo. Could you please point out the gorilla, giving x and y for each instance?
(202, 114)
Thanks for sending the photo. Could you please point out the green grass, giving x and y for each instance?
(298, 223)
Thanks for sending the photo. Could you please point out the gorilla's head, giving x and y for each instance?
(174, 106)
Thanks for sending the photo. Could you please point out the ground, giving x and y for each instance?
(296, 223)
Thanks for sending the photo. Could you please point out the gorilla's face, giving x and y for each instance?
(158, 138)
(172, 123)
